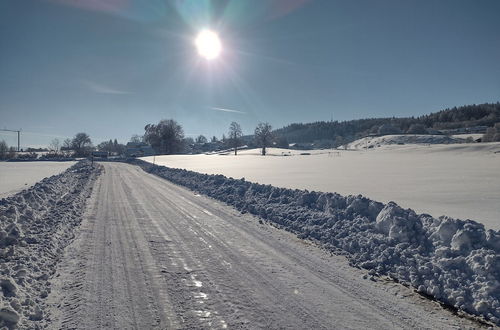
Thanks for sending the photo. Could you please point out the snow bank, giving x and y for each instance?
(457, 180)
(377, 141)
(35, 226)
(457, 262)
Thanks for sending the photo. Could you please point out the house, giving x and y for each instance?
(100, 154)
(138, 149)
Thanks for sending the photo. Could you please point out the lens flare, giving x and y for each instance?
(208, 44)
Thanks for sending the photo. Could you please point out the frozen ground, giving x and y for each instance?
(457, 180)
(16, 176)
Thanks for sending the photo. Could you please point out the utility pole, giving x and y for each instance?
(18, 136)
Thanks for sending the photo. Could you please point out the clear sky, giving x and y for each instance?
(109, 67)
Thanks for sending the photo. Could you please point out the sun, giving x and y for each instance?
(208, 44)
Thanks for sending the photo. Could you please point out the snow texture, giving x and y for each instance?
(377, 141)
(16, 176)
(35, 226)
(454, 261)
(457, 180)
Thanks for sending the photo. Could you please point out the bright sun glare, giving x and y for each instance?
(208, 44)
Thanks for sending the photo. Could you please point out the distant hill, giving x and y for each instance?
(334, 133)
(370, 142)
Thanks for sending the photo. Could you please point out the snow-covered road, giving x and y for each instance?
(150, 254)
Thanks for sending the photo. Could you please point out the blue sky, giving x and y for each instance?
(110, 67)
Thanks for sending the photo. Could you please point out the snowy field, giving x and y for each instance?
(457, 180)
(166, 237)
(16, 176)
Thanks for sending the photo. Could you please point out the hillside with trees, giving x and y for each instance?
(334, 133)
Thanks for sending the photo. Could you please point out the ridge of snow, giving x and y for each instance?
(35, 226)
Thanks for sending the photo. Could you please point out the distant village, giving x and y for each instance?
(475, 123)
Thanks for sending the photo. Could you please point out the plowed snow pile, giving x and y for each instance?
(455, 261)
(35, 226)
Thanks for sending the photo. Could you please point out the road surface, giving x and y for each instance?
(153, 255)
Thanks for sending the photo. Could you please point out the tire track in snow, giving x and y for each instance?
(154, 255)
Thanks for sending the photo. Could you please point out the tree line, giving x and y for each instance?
(167, 137)
(78, 146)
(453, 118)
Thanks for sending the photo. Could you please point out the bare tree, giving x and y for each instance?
(136, 138)
(66, 147)
(235, 135)
(166, 137)
(81, 143)
(67, 144)
(12, 153)
(201, 139)
(263, 136)
(4, 149)
(55, 145)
